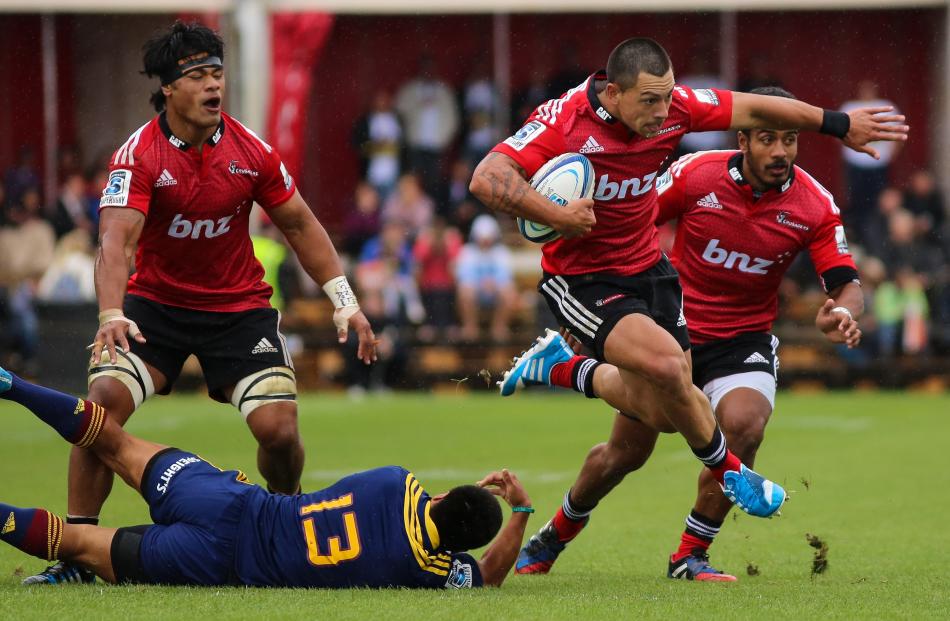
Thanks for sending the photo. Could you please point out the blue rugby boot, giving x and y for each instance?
(753, 493)
(538, 555)
(6, 380)
(696, 566)
(534, 366)
(62, 573)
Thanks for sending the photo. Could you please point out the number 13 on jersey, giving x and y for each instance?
(335, 553)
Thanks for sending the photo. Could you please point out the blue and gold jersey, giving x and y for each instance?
(369, 529)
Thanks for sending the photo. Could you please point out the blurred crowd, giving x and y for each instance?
(433, 266)
(46, 248)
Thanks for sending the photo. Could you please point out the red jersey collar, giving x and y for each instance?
(735, 172)
(180, 144)
(594, 102)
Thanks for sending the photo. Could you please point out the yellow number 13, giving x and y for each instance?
(336, 553)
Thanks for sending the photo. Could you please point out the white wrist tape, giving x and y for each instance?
(116, 314)
(843, 310)
(344, 301)
(340, 292)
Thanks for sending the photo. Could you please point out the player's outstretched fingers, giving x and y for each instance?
(492, 478)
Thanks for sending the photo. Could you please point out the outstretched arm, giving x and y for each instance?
(856, 128)
(501, 554)
(499, 182)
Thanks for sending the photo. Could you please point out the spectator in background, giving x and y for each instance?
(435, 252)
(905, 248)
(759, 75)
(866, 177)
(527, 99)
(570, 72)
(69, 278)
(21, 176)
(409, 206)
(428, 107)
(271, 252)
(378, 137)
(700, 75)
(901, 311)
(4, 205)
(456, 190)
(485, 280)
(362, 219)
(925, 202)
(390, 298)
(26, 251)
(69, 159)
(71, 211)
(99, 178)
(479, 104)
(878, 234)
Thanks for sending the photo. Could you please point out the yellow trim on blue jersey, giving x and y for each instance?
(431, 530)
(438, 564)
(336, 503)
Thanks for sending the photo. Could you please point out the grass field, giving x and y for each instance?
(867, 471)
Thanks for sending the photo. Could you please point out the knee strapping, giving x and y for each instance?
(267, 386)
(128, 369)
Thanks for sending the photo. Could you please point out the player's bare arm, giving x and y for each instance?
(499, 182)
(497, 560)
(838, 316)
(319, 259)
(860, 127)
(119, 231)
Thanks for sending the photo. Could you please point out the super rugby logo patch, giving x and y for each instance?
(525, 135)
(116, 192)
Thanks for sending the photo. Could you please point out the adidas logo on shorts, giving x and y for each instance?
(264, 347)
(756, 358)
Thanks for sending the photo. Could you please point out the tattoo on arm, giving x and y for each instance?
(507, 186)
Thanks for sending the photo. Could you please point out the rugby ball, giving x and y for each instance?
(565, 178)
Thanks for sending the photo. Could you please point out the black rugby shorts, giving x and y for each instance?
(229, 346)
(590, 305)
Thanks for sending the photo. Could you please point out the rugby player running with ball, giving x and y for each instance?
(606, 279)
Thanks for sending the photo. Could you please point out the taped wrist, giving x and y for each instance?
(116, 314)
(835, 123)
(340, 292)
(344, 301)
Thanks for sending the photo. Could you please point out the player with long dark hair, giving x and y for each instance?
(178, 200)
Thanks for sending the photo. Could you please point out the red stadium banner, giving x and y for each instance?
(297, 40)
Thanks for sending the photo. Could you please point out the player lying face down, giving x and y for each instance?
(377, 528)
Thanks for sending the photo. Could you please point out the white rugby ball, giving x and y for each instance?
(565, 178)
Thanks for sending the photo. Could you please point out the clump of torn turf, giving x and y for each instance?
(819, 564)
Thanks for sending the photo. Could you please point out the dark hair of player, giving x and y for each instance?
(467, 517)
(772, 91)
(633, 56)
(166, 47)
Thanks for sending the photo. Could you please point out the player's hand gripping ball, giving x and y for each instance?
(566, 178)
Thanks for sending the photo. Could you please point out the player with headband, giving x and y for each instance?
(178, 200)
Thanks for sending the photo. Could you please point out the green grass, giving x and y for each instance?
(878, 492)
